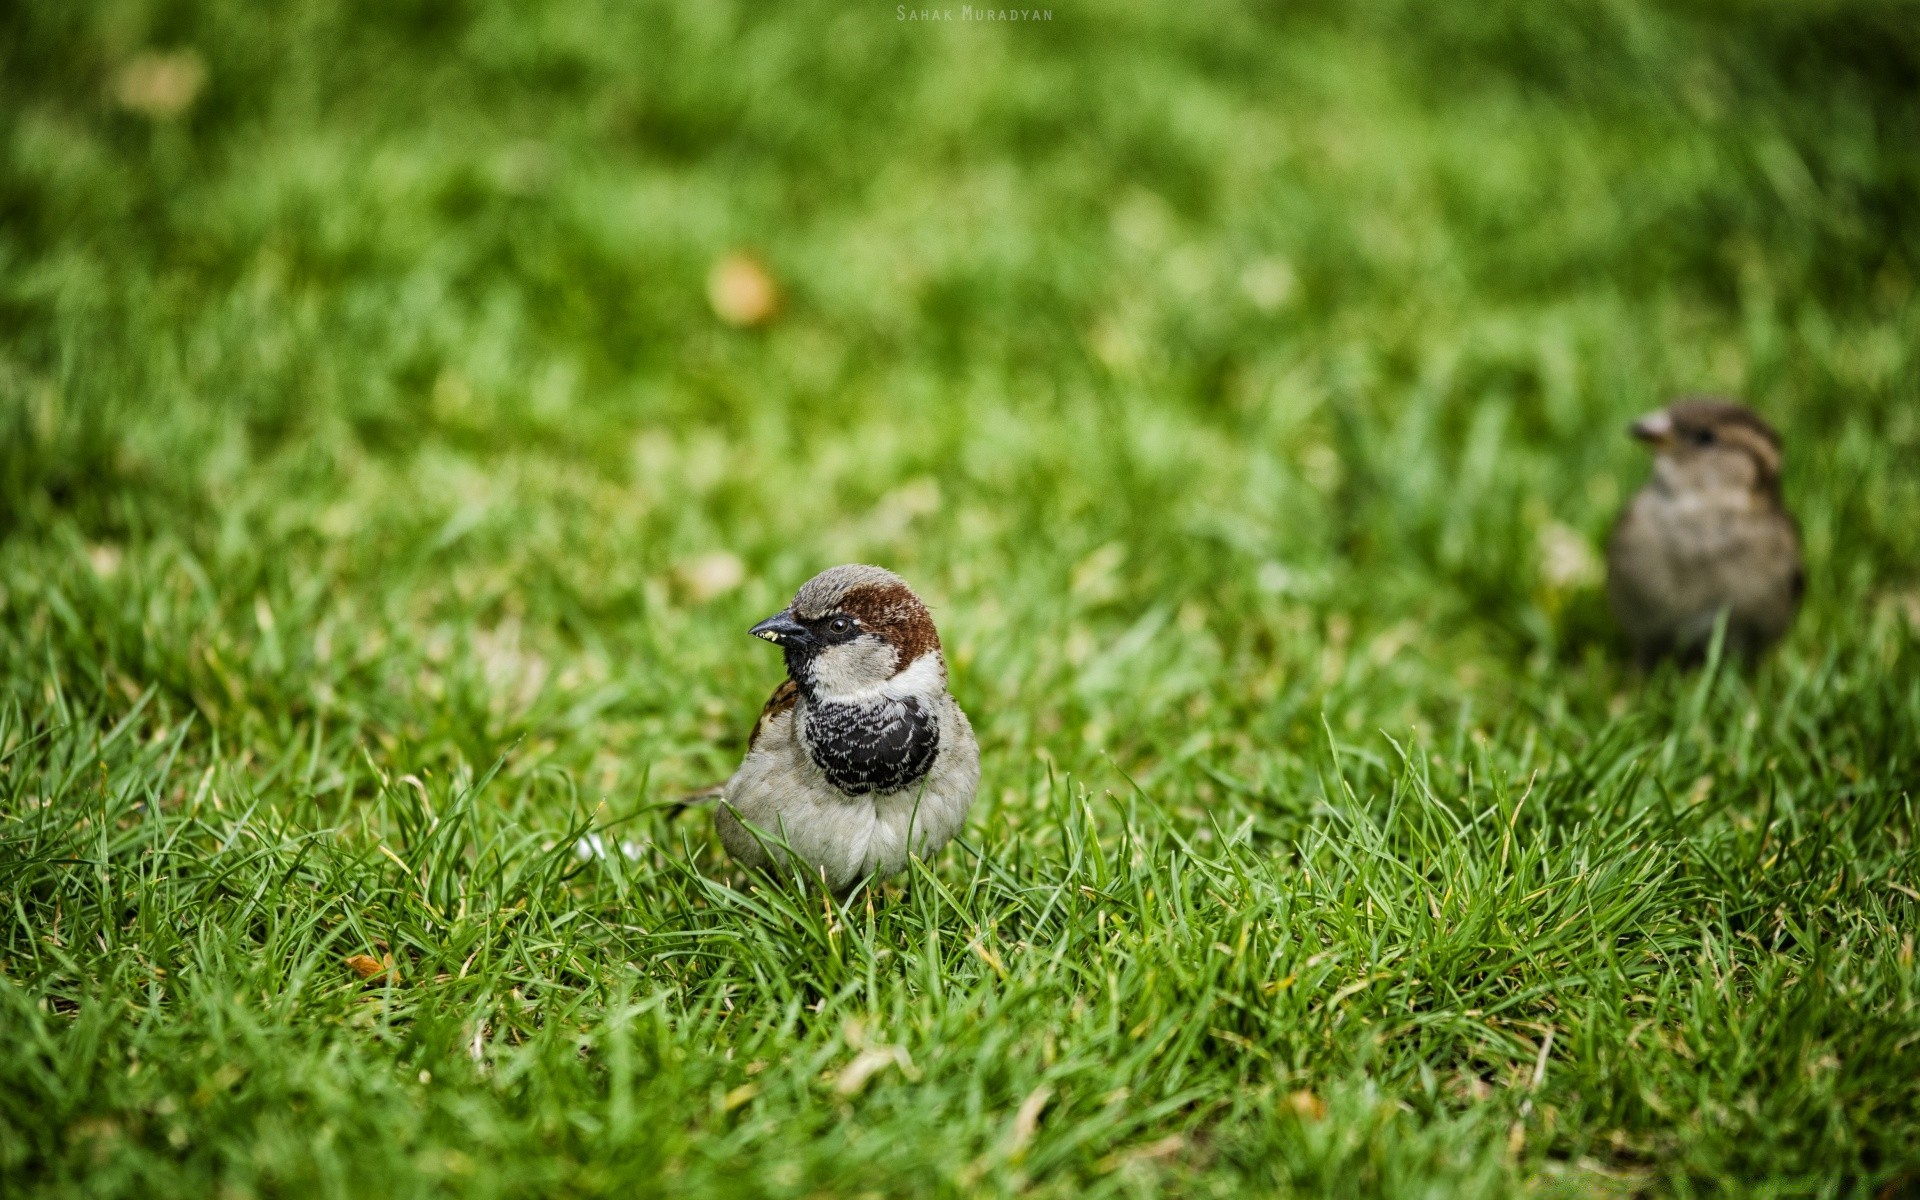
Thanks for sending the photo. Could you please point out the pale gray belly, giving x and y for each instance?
(795, 813)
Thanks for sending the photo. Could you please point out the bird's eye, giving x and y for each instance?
(840, 625)
(1701, 437)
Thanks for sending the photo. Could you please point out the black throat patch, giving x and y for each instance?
(881, 747)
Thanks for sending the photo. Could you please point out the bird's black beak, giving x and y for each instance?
(780, 629)
(1655, 429)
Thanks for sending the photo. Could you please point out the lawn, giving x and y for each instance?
(384, 500)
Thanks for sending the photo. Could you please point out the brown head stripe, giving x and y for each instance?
(1721, 414)
(895, 613)
(1737, 426)
(1763, 452)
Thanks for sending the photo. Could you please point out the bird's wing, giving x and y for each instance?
(783, 699)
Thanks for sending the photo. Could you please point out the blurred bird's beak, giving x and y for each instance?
(1653, 429)
(779, 628)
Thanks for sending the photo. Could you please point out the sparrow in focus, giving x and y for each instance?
(1707, 535)
(861, 757)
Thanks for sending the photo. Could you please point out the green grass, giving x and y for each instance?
(1244, 387)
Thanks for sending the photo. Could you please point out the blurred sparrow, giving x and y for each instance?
(1707, 535)
(861, 757)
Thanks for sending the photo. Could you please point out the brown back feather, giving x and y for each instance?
(783, 699)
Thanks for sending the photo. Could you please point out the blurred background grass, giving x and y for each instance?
(1286, 311)
(1216, 370)
(1351, 300)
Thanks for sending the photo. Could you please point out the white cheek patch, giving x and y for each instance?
(923, 678)
(851, 668)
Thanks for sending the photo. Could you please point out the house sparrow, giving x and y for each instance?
(860, 757)
(1708, 534)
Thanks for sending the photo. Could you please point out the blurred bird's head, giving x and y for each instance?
(1705, 444)
(856, 633)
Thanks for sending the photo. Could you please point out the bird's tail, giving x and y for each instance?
(705, 795)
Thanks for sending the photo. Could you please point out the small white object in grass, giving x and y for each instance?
(712, 575)
(160, 86)
(1096, 578)
(1567, 562)
(1269, 283)
(593, 846)
(741, 291)
(104, 559)
(1275, 579)
(870, 1062)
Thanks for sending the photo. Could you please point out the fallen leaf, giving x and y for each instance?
(741, 291)
(989, 957)
(370, 968)
(160, 86)
(867, 1064)
(1166, 1147)
(1027, 1120)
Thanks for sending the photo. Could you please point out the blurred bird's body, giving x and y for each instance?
(861, 758)
(1708, 535)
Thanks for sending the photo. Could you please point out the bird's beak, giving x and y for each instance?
(1656, 428)
(779, 628)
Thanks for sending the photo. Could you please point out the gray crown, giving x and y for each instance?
(823, 593)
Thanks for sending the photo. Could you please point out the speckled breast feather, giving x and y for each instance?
(881, 747)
